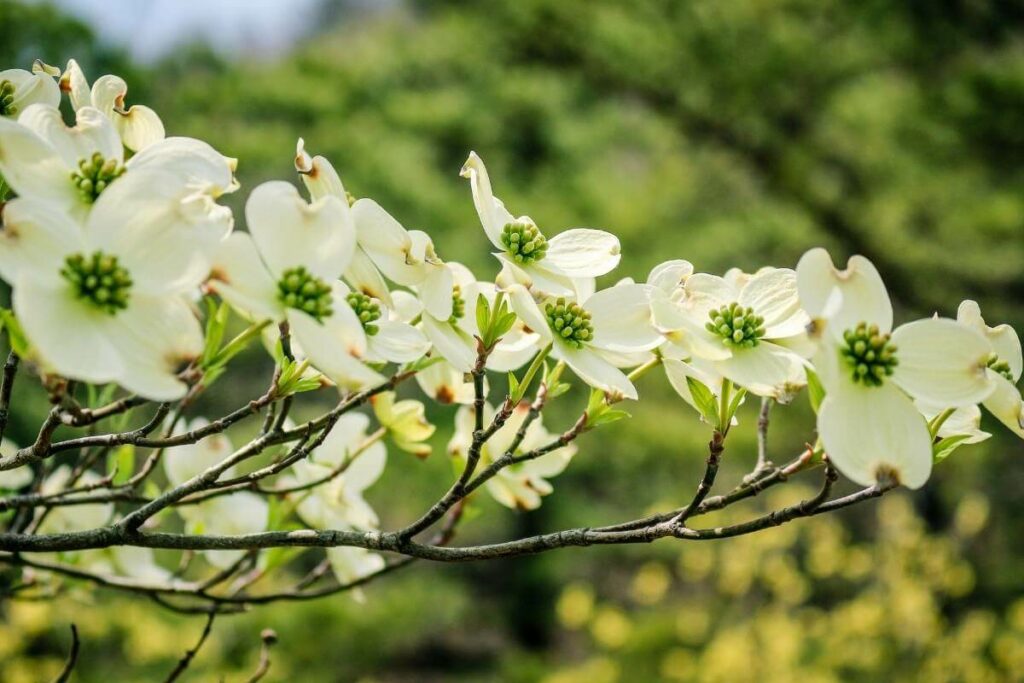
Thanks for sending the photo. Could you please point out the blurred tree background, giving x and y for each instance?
(724, 132)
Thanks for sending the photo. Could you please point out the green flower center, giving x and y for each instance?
(94, 175)
(98, 279)
(737, 325)
(570, 322)
(301, 290)
(1000, 367)
(7, 107)
(870, 354)
(458, 304)
(366, 309)
(524, 242)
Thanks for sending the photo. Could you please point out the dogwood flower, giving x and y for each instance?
(287, 269)
(20, 89)
(62, 519)
(124, 560)
(444, 383)
(454, 337)
(868, 422)
(131, 322)
(174, 181)
(521, 485)
(737, 328)
(190, 460)
(406, 257)
(1004, 365)
(589, 336)
(405, 422)
(337, 502)
(547, 266)
(138, 126)
(236, 514)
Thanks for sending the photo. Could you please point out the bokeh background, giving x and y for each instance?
(728, 132)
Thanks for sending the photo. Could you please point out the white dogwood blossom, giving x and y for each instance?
(590, 335)
(138, 126)
(286, 269)
(868, 422)
(1004, 367)
(521, 485)
(131, 322)
(545, 265)
(738, 327)
(20, 89)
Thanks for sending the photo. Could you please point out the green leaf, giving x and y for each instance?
(704, 399)
(123, 459)
(519, 391)
(815, 391)
(734, 405)
(944, 447)
(16, 336)
(607, 417)
(483, 314)
(422, 363)
(513, 387)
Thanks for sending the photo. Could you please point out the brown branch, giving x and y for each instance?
(715, 449)
(6, 387)
(186, 660)
(69, 665)
(269, 639)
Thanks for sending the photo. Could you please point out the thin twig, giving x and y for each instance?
(186, 660)
(69, 665)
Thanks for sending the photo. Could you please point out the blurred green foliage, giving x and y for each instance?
(727, 133)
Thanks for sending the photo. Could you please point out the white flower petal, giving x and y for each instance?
(33, 168)
(405, 306)
(493, 215)
(31, 88)
(349, 564)
(93, 132)
(454, 345)
(583, 252)
(772, 294)
(364, 277)
(864, 297)
(961, 422)
(139, 126)
(1006, 405)
(387, 243)
(706, 292)
(396, 342)
(366, 468)
(942, 362)
(436, 292)
(77, 85)
(35, 239)
(47, 312)
(291, 232)
(1004, 339)
(622, 319)
(529, 312)
(677, 371)
(190, 163)
(594, 370)
(514, 350)
(446, 384)
(239, 276)
(334, 348)
(670, 275)
(155, 337)
(680, 328)
(140, 218)
(765, 370)
(318, 175)
(537, 278)
(868, 429)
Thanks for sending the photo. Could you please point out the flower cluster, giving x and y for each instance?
(113, 235)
